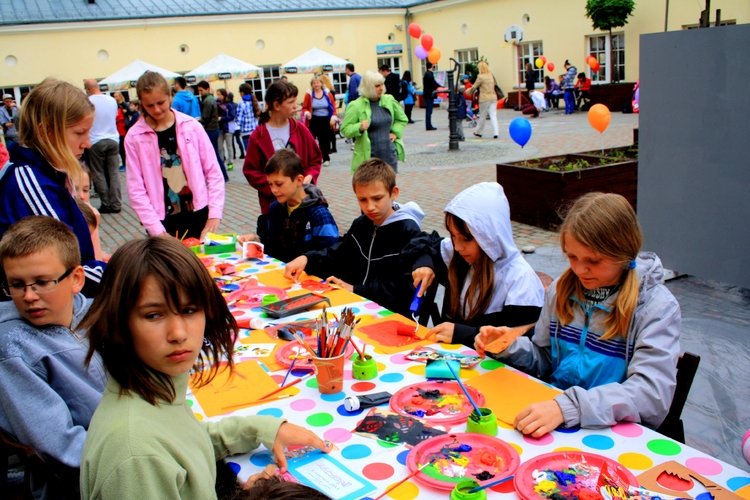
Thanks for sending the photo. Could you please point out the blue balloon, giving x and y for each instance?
(520, 131)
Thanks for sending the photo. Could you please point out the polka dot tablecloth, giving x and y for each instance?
(383, 465)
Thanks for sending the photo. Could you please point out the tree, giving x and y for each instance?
(608, 14)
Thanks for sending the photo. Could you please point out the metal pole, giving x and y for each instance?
(453, 108)
(666, 16)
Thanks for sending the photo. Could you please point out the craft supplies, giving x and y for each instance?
(482, 423)
(468, 489)
(426, 353)
(434, 401)
(416, 302)
(411, 475)
(329, 373)
(294, 305)
(393, 428)
(466, 392)
(491, 485)
(364, 369)
(283, 387)
(354, 403)
(291, 366)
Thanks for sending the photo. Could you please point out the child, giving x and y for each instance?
(370, 260)
(45, 166)
(162, 318)
(488, 282)
(83, 190)
(609, 331)
(299, 218)
(47, 396)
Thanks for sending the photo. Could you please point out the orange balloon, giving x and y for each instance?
(550, 67)
(591, 60)
(599, 117)
(427, 42)
(595, 67)
(415, 30)
(433, 55)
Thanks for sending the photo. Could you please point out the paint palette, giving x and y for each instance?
(252, 296)
(286, 353)
(437, 402)
(567, 474)
(455, 457)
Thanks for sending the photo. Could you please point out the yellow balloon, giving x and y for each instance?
(433, 55)
(539, 62)
(599, 117)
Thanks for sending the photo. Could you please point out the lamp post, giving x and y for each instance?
(453, 107)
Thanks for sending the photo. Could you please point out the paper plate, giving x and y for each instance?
(551, 474)
(437, 402)
(252, 296)
(462, 456)
(288, 351)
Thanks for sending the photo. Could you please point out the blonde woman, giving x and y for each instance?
(485, 85)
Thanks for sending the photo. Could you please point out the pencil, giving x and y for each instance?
(403, 480)
(281, 388)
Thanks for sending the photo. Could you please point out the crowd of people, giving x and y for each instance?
(95, 350)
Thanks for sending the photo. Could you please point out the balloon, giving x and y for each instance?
(427, 42)
(415, 30)
(550, 67)
(420, 52)
(591, 60)
(595, 67)
(544, 60)
(539, 63)
(599, 117)
(520, 131)
(434, 55)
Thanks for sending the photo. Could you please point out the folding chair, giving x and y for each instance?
(672, 426)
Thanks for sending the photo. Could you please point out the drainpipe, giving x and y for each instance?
(407, 20)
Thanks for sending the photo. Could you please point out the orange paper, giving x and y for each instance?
(225, 394)
(507, 392)
(675, 479)
(387, 334)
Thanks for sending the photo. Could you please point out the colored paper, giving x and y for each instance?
(507, 392)
(327, 475)
(673, 478)
(391, 334)
(261, 337)
(243, 388)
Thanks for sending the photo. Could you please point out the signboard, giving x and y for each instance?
(389, 48)
(290, 69)
(225, 76)
(191, 79)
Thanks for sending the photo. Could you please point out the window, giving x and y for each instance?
(259, 85)
(528, 53)
(18, 93)
(393, 62)
(599, 47)
(728, 22)
(464, 56)
(339, 82)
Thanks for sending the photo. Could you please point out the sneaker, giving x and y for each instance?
(326, 163)
(230, 166)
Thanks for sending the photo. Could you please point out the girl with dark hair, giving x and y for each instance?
(163, 318)
(407, 94)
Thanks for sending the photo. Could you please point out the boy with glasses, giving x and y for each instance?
(47, 396)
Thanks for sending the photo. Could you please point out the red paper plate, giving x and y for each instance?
(462, 456)
(288, 351)
(437, 402)
(552, 474)
(252, 296)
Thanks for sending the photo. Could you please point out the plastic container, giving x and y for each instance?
(486, 424)
(365, 369)
(461, 491)
(330, 374)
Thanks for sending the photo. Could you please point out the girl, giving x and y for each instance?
(487, 280)
(162, 318)
(407, 93)
(319, 107)
(83, 192)
(278, 130)
(54, 128)
(608, 333)
(227, 114)
(175, 184)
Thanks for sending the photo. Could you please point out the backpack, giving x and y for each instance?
(404, 93)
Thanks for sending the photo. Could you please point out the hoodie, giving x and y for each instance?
(310, 226)
(186, 102)
(615, 380)
(372, 259)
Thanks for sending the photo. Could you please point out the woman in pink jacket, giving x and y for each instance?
(175, 184)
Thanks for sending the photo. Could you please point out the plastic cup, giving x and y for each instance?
(330, 374)
(269, 299)
(484, 424)
(364, 369)
(462, 488)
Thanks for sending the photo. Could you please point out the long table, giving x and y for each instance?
(373, 466)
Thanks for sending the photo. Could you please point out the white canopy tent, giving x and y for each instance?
(223, 67)
(315, 60)
(125, 77)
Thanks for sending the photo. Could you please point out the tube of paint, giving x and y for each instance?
(354, 403)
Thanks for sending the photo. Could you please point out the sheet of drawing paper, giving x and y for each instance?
(507, 392)
(261, 338)
(225, 394)
(326, 474)
(274, 278)
(673, 478)
(391, 334)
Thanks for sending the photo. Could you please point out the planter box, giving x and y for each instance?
(538, 196)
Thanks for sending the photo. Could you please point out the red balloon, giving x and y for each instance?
(550, 67)
(544, 59)
(595, 67)
(427, 42)
(415, 30)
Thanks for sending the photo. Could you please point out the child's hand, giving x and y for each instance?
(333, 280)
(211, 226)
(539, 419)
(266, 473)
(294, 435)
(423, 277)
(294, 269)
(247, 237)
(497, 338)
(443, 332)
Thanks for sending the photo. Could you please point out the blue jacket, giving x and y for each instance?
(615, 380)
(187, 102)
(352, 91)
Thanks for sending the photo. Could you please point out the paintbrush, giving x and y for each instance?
(301, 340)
(411, 475)
(294, 360)
(463, 388)
(490, 485)
(281, 388)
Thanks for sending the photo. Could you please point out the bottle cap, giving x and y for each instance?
(351, 403)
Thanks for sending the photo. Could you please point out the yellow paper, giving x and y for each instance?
(507, 392)
(245, 387)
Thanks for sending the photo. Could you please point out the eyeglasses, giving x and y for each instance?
(18, 288)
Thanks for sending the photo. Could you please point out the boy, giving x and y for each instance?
(369, 260)
(299, 218)
(47, 397)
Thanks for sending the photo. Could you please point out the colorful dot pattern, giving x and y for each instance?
(383, 464)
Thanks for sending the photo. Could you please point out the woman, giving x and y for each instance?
(319, 109)
(530, 79)
(551, 93)
(175, 184)
(485, 85)
(227, 114)
(376, 122)
(278, 130)
(407, 93)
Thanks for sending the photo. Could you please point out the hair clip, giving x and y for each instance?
(631, 264)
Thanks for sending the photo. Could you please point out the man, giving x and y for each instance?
(104, 155)
(210, 120)
(9, 119)
(184, 100)
(392, 82)
(429, 86)
(352, 89)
